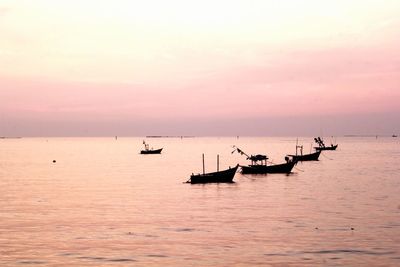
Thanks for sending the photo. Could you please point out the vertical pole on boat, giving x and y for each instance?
(217, 163)
(297, 142)
(203, 165)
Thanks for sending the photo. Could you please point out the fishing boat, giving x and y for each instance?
(273, 168)
(304, 157)
(331, 147)
(259, 164)
(225, 176)
(147, 150)
(322, 146)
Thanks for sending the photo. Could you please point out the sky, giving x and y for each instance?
(245, 67)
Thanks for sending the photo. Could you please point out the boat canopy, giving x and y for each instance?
(257, 157)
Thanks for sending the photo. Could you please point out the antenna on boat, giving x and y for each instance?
(217, 163)
(203, 165)
(240, 151)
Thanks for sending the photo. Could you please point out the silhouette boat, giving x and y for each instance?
(304, 157)
(322, 146)
(225, 176)
(331, 147)
(259, 164)
(147, 150)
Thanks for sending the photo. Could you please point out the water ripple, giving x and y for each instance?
(351, 251)
(121, 260)
(32, 262)
(106, 259)
(157, 256)
(334, 251)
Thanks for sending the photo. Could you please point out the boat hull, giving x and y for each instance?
(155, 151)
(225, 176)
(263, 169)
(326, 148)
(307, 157)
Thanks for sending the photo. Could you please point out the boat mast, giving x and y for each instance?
(297, 146)
(217, 163)
(203, 165)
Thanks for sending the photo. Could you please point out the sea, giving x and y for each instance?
(99, 202)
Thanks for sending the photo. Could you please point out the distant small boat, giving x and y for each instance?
(147, 150)
(331, 147)
(225, 176)
(322, 146)
(304, 157)
(259, 164)
(151, 151)
(394, 135)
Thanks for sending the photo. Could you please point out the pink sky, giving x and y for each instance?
(199, 68)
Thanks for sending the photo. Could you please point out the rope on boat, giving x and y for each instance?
(245, 176)
(298, 169)
(326, 156)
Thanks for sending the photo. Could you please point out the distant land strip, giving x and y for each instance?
(169, 136)
(368, 135)
(10, 137)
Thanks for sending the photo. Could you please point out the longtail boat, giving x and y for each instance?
(225, 176)
(322, 146)
(331, 147)
(304, 157)
(259, 164)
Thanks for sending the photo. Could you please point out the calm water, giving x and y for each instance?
(103, 204)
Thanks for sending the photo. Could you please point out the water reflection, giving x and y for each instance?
(103, 203)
